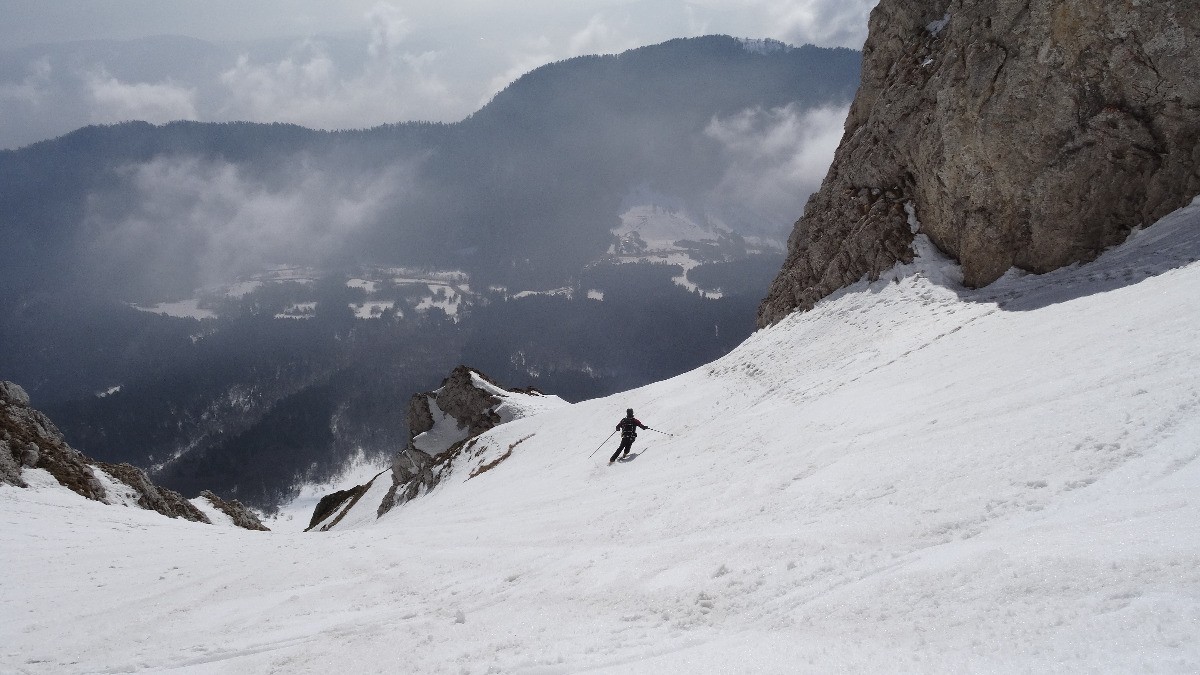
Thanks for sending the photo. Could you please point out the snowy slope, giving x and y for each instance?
(911, 477)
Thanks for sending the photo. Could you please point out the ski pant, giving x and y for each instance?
(626, 444)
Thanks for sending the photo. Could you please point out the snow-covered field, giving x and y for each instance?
(912, 477)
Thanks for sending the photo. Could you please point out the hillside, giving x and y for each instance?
(242, 307)
(911, 476)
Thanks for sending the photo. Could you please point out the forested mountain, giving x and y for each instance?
(536, 177)
(242, 306)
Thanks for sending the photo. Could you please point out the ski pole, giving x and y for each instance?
(602, 444)
(661, 432)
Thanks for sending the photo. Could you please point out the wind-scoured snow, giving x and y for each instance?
(515, 405)
(445, 432)
(215, 516)
(911, 477)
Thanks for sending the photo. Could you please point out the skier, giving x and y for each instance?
(628, 426)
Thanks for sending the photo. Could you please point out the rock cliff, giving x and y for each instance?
(444, 429)
(1026, 133)
(29, 440)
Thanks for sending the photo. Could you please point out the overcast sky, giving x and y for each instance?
(350, 63)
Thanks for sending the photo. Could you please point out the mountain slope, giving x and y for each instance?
(911, 476)
(313, 280)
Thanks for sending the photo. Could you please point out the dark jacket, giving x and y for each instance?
(629, 427)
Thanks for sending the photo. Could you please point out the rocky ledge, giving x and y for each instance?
(444, 429)
(1021, 133)
(29, 440)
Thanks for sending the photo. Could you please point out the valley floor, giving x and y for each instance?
(912, 477)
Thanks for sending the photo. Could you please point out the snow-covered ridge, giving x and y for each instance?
(913, 476)
(443, 424)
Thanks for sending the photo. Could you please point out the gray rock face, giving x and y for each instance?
(150, 496)
(237, 512)
(415, 471)
(28, 439)
(1026, 133)
(470, 405)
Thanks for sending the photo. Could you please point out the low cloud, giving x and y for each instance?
(33, 89)
(778, 157)
(116, 101)
(309, 87)
(189, 223)
(825, 23)
(603, 35)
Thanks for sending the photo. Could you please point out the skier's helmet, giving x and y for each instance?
(629, 412)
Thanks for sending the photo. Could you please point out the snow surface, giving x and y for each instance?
(445, 432)
(182, 309)
(295, 514)
(299, 310)
(662, 230)
(661, 227)
(366, 285)
(215, 516)
(515, 405)
(372, 309)
(116, 492)
(448, 303)
(912, 477)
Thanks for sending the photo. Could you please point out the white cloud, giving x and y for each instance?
(411, 61)
(116, 101)
(309, 88)
(32, 90)
(825, 23)
(222, 223)
(602, 35)
(389, 27)
(533, 54)
(777, 158)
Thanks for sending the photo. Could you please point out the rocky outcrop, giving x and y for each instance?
(335, 501)
(29, 440)
(1024, 133)
(152, 497)
(444, 429)
(461, 403)
(240, 515)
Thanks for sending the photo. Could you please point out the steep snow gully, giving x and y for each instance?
(911, 477)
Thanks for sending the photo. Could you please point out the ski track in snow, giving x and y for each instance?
(912, 477)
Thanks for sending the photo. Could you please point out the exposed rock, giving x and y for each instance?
(420, 419)
(32, 440)
(334, 501)
(416, 470)
(444, 426)
(10, 466)
(1027, 134)
(28, 439)
(152, 497)
(473, 407)
(237, 512)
